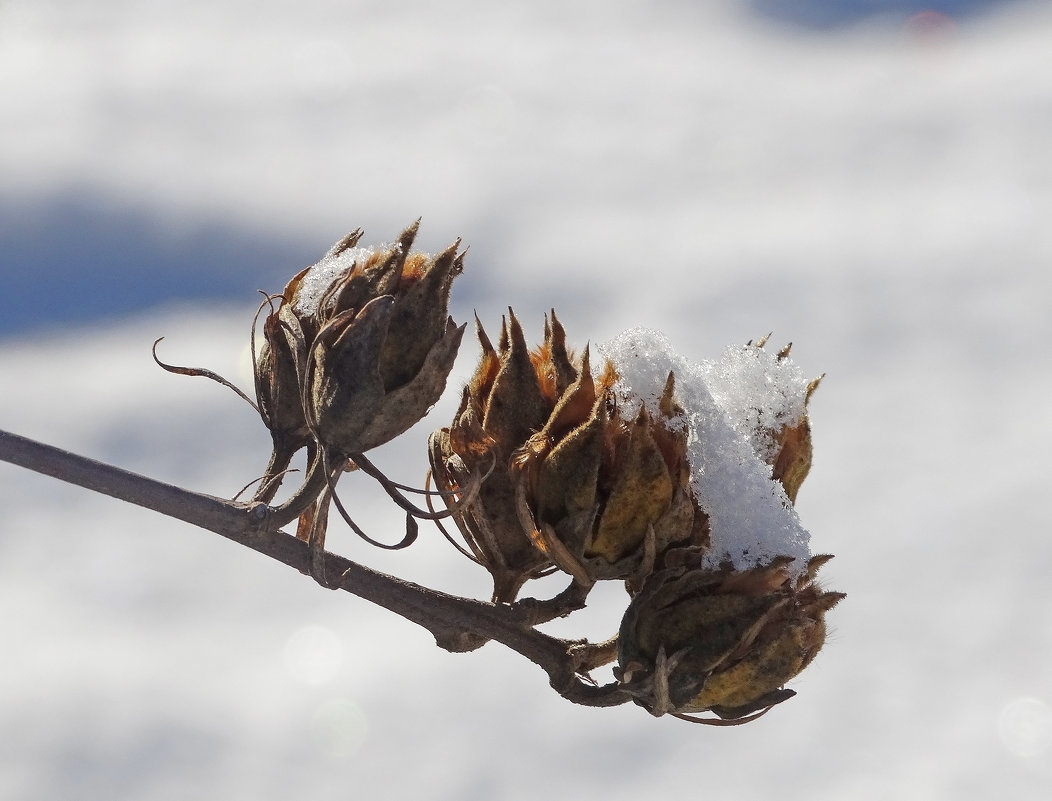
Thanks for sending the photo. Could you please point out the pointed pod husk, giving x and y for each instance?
(361, 344)
(790, 449)
(509, 398)
(278, 395)
(697, 640)
(793, 453)
(608, 496)
(571, 484)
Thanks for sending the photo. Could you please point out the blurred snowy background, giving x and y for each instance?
(871, 180)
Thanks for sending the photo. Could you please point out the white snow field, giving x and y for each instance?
(877, 193)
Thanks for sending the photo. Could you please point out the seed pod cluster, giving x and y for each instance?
(574, 486)
(618, 474)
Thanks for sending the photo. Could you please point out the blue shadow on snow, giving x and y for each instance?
(823, 14)
(75, 260)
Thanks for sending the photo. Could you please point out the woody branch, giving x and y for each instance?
(457, 623)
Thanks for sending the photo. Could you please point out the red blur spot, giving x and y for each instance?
(930, 26)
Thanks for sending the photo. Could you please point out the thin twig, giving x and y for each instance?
(458, 624)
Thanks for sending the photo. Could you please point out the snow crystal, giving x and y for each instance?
(759, 393)
(331, 268)
(750, 516)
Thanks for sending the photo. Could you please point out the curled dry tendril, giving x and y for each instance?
(203, 373)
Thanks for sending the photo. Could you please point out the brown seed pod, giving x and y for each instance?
(571, 484)
(509, 398)
(362, 341)
(697, 640)
(607, 497)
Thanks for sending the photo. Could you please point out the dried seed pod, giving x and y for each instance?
(363, 341)
(607, 497)
(697, 640)
(572, 484)
(509, 398)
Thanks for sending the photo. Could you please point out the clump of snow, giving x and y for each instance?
(331, 268)
(751, 518)
(759, 393)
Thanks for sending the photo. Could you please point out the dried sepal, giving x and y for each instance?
(509, 399)
(792, 460)
(786, 444)
(278, 393)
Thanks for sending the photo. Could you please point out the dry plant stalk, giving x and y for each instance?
(547, 467)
